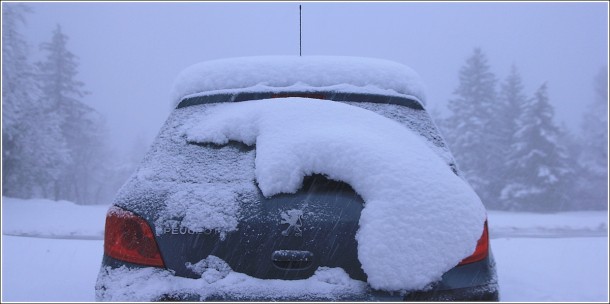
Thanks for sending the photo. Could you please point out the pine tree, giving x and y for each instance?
(539, 160)
(471, 127)
(593, 160)
(572, 141)
(33, 149)
(81, 126)
(16, 95)
(511, 100)
(16, 70)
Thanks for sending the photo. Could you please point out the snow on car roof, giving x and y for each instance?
(352, 74)
(419, 218)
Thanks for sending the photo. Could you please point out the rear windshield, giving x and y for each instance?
(408, 112)
(204, 186)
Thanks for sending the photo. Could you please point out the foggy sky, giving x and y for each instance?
(130, 53)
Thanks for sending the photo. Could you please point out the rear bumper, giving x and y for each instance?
(119, 281)
(481, 293)
(487, 293)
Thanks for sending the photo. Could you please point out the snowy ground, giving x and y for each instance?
(51, 251)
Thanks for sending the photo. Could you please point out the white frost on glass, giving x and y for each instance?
(419, 220)
(189, 186)
(353, 74)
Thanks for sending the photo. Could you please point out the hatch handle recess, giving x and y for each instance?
(292, 259)
(292, 255)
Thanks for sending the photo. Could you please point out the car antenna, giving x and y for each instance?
(300, 35)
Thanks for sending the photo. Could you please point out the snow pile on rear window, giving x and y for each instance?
(419, 220)
(361, 74)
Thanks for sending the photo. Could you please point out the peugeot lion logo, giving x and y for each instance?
(294, 219)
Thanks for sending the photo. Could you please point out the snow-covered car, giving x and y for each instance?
(297, 178)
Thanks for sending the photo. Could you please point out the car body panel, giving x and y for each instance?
(325, 215)
(287, 236)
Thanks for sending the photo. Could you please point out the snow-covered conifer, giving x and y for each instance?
(539, 160)
(471, 126)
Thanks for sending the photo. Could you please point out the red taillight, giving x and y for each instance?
(129, 238)
(481, 250)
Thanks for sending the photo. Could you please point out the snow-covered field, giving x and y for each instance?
(51, 219)
(51, 251)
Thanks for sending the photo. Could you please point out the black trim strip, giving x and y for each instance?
(328, 95)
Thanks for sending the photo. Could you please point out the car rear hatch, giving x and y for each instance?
(287, 236)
